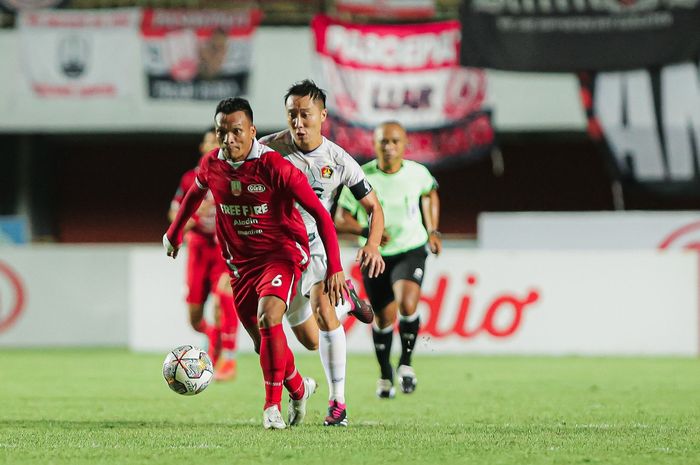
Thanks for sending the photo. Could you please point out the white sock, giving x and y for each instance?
(342, 309)
(332, 349)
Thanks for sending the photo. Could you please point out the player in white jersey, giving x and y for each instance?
(328, 168)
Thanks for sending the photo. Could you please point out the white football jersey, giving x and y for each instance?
(328, 168)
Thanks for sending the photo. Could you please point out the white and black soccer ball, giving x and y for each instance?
(188, 370)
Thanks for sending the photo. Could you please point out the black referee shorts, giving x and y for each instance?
(409, 265)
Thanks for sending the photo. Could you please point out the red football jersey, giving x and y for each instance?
(256, 214)
(205, 222)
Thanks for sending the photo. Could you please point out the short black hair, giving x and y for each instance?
(304, 88)
(232, 105)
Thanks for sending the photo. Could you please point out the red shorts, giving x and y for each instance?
(205, 265)
(278, 278)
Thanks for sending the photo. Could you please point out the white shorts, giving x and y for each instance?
(300, 310)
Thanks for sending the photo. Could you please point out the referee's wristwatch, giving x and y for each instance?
(434, 232)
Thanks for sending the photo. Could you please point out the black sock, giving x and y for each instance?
(382, 347)
(408, 330)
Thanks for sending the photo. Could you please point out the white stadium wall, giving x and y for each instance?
(634, 302)
(622, 230)
(282, 55)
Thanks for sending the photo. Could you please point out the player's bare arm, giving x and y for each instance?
(172, 240)
(430, 207)
(368, 256)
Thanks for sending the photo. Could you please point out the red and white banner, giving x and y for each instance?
(198, 54)
(77, 54)
(397, 9)
(409, 73)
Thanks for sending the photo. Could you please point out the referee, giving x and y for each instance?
(408, 194)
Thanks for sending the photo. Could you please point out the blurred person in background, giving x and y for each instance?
(207, 274)
(408, 193)
(265, 244)
(328, 168)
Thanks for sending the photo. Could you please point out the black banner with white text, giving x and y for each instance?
(568, 35)
(648, 121)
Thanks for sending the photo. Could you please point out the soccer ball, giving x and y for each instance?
(188, 370)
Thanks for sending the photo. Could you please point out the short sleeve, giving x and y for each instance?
(428, 182)
(348, 201)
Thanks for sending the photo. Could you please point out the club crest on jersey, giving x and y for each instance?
(326, 172)
(236, 187)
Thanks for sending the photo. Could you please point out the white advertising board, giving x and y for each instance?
(63, 296)
(627, 302)
(486, 302)
(589, 230)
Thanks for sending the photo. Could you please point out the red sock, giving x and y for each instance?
(229, 324)
(214, 336)
(273, 359)
(293, 381)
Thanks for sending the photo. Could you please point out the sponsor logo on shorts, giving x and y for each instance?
(256, 188)
(418, 273)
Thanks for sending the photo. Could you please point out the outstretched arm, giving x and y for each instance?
(172, 240)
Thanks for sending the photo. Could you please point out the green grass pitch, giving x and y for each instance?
(92, 406)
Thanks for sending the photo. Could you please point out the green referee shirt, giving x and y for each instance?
(399, 194)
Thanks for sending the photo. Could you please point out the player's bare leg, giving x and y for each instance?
(383, 336)
(307, 331)
(407, 295)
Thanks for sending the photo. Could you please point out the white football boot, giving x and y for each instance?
(385, 389)
(297, 408)
(272, 418)
(407, 378)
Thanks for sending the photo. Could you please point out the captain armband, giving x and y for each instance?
(361, 189)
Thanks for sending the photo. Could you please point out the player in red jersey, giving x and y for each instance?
(205, 266)
(264, 242)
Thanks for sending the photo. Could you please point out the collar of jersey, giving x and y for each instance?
(255, 151)
(296, 147)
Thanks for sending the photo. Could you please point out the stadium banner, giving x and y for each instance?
(648, 123)
(409, 73)
(14, 6)
(63, 296)
(77, 54)
(605, 230)
(198, 54)
(565, 36)
(388, 9)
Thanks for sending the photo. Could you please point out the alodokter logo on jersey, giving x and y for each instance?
(12, 296)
